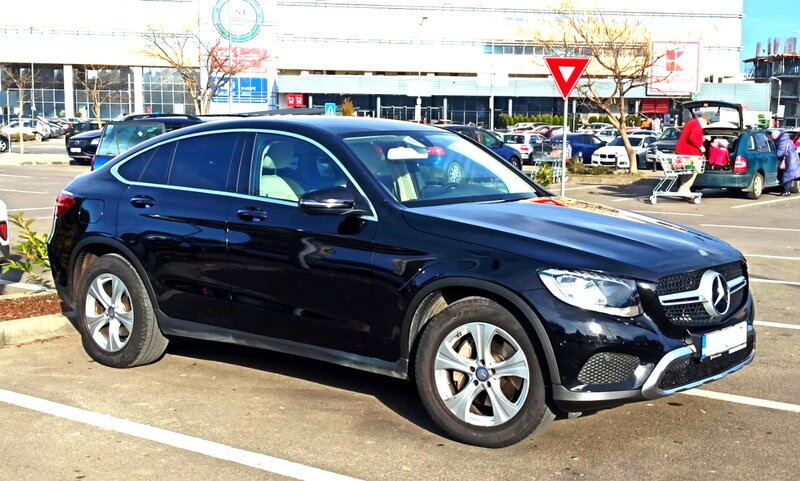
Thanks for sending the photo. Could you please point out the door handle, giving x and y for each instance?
(143, 201)
(252, 214)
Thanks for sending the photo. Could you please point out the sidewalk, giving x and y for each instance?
(32, 329)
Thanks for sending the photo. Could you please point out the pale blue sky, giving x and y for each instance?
(775, 18)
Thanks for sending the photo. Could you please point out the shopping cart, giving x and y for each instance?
(675, 165)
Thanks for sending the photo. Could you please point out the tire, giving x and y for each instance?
(4, 145)
(37, 137)
(516, 162)
(757, 187)
(113, 298)
(449, 364)
(454, 173)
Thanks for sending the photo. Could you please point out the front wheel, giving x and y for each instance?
(478, 375)
(116, 319)
(37, 137)
(758, 187)
(4, 145)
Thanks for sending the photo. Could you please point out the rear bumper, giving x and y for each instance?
(5, 251)
(718, 179)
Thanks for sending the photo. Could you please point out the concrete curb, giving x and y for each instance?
(13, 158)
(35, 329)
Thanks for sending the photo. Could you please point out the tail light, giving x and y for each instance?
(524, 148)
(93, 158)
(435, 151)
(740, 165)
(3, 230)
(64, 203)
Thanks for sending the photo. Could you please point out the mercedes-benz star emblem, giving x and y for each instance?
(716, 296)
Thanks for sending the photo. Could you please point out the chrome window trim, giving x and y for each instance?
(119, 177)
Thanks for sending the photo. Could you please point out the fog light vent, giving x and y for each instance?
(608, 368)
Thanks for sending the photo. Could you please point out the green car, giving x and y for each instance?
(752, 163)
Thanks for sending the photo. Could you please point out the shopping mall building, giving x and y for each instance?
(464, 58)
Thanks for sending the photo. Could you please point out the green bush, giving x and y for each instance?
(544, 175)
(33, 248)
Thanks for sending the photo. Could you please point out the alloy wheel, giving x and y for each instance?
(109, 312)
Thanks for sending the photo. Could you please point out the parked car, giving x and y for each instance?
(315, 236)
(82, 147)
(643, 132)
(27, 127)
(82, 126)
(527, 125)
(752, 161)
(120, 135)
(488, 139)
(595, 127)
(5, 143)
(665, 143)
(616, 155)
(5, 233)
(608, 134)
(581, 146)
(526, 143)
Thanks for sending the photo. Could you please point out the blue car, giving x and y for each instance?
(486, 138)
(582, 145)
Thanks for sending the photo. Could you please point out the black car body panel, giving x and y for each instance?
(355, 289)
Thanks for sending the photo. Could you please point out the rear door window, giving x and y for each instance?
(206, 162)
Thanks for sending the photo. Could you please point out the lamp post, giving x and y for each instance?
(778, 105)
(418, 107)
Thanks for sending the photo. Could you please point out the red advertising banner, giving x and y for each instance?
(294, 101)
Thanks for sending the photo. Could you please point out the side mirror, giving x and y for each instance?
(331, 201)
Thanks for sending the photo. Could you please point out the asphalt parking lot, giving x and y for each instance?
(210, 411)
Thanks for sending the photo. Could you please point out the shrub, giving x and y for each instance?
(347, 108)
(33, 248)
(544, 175)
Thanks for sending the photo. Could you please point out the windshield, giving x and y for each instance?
(122, 136)
(718, 116)
(670, 134)
(429, 168)
(514, 139)
(635, 141)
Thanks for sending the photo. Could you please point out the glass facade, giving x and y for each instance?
(165, 92)
(41, 88)
(107, 91)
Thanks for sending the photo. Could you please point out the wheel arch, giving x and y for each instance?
(437, 295)
(88, 250)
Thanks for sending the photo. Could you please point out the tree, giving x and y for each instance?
(347, 108)
(620, 52)
(205, 67)
(101, 85)
(22, 79)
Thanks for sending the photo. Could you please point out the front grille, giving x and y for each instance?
(78, 143)
(686, 371)
(695, 314)
(608, 368)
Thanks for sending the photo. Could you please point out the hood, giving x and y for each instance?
(572, 234)
(90, 134)
(615, 150)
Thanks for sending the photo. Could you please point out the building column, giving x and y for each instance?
(138, 90)
(491, 112)
(378, 107)
(444, 107)
(510, 108)
(69, 92)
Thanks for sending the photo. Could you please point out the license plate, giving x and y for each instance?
(727, 340)
(74, 149)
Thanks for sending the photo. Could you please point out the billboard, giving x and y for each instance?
(243, 35)
(676, 69)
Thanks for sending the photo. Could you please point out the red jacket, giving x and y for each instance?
(691, 139)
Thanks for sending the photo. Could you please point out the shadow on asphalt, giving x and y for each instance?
(398, 395)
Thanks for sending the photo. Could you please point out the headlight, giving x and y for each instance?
(95, 141)
(595, 292)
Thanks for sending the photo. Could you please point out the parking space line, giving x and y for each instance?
(777, 324)
(583, 187)
(784, 258)
(31, 208)
(193, 444)
(22, 191)
(771, 281)
(786, 199)
(750, 401)
(668, 213)
(750, 227)
(17, 176)
(626, 198)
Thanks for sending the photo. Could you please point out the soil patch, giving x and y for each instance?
(29, 305)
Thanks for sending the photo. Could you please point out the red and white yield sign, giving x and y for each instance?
(566, 72)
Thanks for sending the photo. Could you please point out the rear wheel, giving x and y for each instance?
(37, 137)
(116, 320)
(757, 188)
(478, 375)
(516, 162)
(3, 145)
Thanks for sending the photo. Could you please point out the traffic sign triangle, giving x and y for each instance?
(566, 71)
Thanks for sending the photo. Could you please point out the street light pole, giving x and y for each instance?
(418, 108)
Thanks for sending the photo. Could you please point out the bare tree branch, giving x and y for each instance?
(101, 85)
(194, 58)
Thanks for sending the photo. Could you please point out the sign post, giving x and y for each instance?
(566, 72)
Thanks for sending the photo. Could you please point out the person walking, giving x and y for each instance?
(690, 143)
(788, 161)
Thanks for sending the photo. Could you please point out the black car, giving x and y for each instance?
(325, 237)
(79, 127)
(82, 147)
(665, 144)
